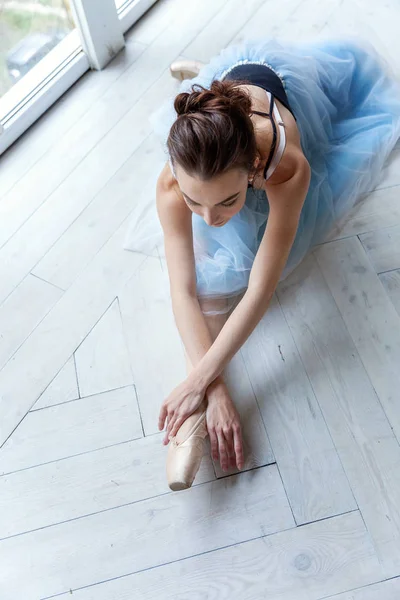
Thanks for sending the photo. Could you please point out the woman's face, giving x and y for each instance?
(216, 200)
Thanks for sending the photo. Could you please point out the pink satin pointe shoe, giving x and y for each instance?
(185, 69)
(186, 451)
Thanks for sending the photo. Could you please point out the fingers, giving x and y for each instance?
(214, 444)
(174, 425)
(162, 417)
(238, 447)
(228, 434)
(222, 449)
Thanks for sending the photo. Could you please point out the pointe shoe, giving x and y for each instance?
(185, 69)
(186, 451)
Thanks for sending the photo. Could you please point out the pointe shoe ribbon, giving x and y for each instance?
(186, 452)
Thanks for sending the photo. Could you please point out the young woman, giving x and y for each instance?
(269, 146)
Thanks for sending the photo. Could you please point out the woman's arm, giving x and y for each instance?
(286, 200)
(176, 221)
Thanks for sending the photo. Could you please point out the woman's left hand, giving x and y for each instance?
(179, 405)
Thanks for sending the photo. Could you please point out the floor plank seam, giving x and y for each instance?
(146, 499)
(130, 365)
(49, 462)
(48, 282)
(76, 377)
(14, 352)
(363, 587)
(94, 325)
(388, 271)
(250, 469)
(122, 387)
(319, 520)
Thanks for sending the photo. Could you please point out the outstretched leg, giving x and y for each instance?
(186, 450)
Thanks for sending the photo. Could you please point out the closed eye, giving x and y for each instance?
(189, 201)
(228, 202)
(231, 203)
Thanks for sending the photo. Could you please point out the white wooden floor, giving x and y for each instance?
(88, 350)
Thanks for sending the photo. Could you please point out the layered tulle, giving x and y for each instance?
(347, 106)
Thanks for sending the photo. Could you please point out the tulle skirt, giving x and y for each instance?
(347, 106)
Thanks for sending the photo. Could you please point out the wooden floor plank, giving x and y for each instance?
(160, 530)
(391, 283)
(221, 29)
(383, 246)
(154, 21)
(22, 312)
(86, 484)
(391, 172)
(386, 590)
(300, 564)
(156, 353)
(311, 471)
(63, 388)
(378, 210)
(102, 361)
(72, 428)
(267, 20)
(383, 21)
(360, 430)
(308, 19)
(370, 317)
(74, 249)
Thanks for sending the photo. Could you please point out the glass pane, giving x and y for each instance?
(29, 30)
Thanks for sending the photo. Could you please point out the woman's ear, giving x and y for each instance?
(256, 164)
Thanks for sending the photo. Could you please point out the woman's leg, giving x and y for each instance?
(187, 449)
(215, 322)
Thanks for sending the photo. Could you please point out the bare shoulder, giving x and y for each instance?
(293, 161)
(172, 209)
(292, 164)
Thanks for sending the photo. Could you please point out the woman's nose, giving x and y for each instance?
(209, 217)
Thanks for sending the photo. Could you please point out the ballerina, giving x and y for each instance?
(269, 146)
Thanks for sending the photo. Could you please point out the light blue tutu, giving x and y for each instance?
(347, 105)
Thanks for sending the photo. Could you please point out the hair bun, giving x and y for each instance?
(223, 97)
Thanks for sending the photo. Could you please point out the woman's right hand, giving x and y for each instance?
(224, 428)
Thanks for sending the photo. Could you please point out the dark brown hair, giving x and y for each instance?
(213, 131)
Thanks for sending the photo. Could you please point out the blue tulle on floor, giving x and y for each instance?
(347, 105)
